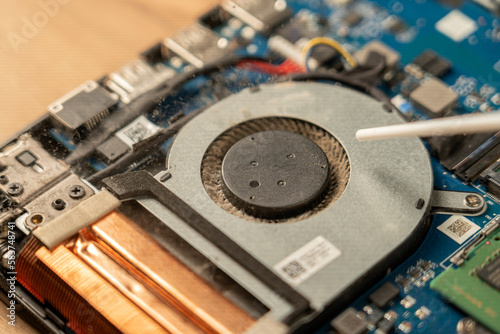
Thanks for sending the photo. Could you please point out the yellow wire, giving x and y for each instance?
(330, 42)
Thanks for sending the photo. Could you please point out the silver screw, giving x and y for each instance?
(76, 192)
(473, 201)
(15, 189)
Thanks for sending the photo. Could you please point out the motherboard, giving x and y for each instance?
(215, 184)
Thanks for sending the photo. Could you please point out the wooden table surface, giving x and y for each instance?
(49, 47)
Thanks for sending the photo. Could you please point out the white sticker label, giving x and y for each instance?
(307, 260)
(458, 228)
(457, 26)
(136, 131)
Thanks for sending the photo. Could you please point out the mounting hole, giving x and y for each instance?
(36, 219)
(59, 204)
(254, 163)
(281, 183)
(497, 238)
(4, 179)
(254, 184)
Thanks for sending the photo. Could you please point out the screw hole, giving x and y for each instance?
(281, 183)
(254, 163)
(497, 238)
(387, 108)
(59, 204)
(252, 197)
(37, 219)
(254, 184)
(291, 156)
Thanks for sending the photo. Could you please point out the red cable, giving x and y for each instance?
(287, 67)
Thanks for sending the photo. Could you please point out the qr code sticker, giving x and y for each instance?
(458, 228)
(307, 260)
(294, 269)
(136, 131)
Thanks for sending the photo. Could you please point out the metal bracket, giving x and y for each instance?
(457, 202)
(142, 184)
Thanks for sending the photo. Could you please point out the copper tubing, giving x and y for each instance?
(107, 301)
(115, 278)
(172, 280)
(160, 310)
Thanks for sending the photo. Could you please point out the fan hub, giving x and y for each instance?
(274, 173)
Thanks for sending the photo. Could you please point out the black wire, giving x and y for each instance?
(368, 74)
(143, 104)
(148, 101)
(143, 148)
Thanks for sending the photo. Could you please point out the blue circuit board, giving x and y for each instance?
(474, 76)
(436, 249)
(475, 68)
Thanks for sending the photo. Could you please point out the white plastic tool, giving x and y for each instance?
(448, 126)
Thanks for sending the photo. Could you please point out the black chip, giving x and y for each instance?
(439, 67)
(352, 19)
(385, 326)
(375, 317)
(414, 272)
(26, 158)
(404, 281)
(491, 273)
(348, 322)
(425, 58)
(112, 149)
(425, 265)
(384, 294)
(294, 31)
(396, 26)
(432, 63)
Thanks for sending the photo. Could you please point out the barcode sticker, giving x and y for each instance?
(458, 228)
(136, 131)
(307, 260)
